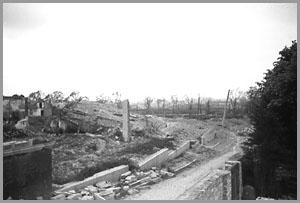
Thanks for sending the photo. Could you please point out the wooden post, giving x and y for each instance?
(126, 121)
(224, 115)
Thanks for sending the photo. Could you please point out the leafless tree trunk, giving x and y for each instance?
(148, 101)
(199, 108)
(164, 101)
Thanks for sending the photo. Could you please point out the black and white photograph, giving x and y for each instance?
(149, 101)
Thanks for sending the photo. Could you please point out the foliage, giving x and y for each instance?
(103, 99)
(273, 112)
(235, 98)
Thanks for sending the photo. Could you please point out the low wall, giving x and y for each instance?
(208, 136)
(111, 175)
(156, 159)
(216, 186)
(219, 184)
(179, 151)
(27, 170)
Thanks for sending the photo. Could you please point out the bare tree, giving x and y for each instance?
(55, 97)
(117, 99)
(35, 96)
(234, 97)
(174, 101)
(148, 101)
(199, 107)
(189, 102)
(164, 106)
(207, 107)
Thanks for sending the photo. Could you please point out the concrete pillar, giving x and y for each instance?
(126, 121)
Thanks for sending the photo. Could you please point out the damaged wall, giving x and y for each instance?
(220, 184)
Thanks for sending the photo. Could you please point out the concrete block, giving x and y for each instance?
(179, 151)
(111, 175)
(156, 159)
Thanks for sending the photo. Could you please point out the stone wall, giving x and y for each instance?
(216, 186)
(235, 168)
(220, 184)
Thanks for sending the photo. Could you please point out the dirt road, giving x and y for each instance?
(180, 187)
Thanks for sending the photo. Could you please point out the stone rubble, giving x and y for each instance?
(130, 183)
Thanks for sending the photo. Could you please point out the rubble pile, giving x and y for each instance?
(130, 183)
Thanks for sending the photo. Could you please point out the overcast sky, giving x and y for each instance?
(141, 50)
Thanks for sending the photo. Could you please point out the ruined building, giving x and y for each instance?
(18, 107)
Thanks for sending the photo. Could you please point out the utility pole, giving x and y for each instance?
(224, 115)
(199, 107)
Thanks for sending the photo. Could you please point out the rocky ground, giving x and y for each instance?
(99, 146)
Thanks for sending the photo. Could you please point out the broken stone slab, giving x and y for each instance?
(87, 198)
(103, 184)
(97, 196)
(154, 180)
(57, 186)
(92, 189)
(153, 174)
(72, 191)
(142, 184)
(140, 181)
(113, 189)
(124, 175)
(140, 174)
(184, 166)
(84, 192)
(75, 196)
(59, 197)
(110, 197)
(126, 188)
(106, 192)
(166, 174)
(132, 191)
(55, 193)
(131, 178)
